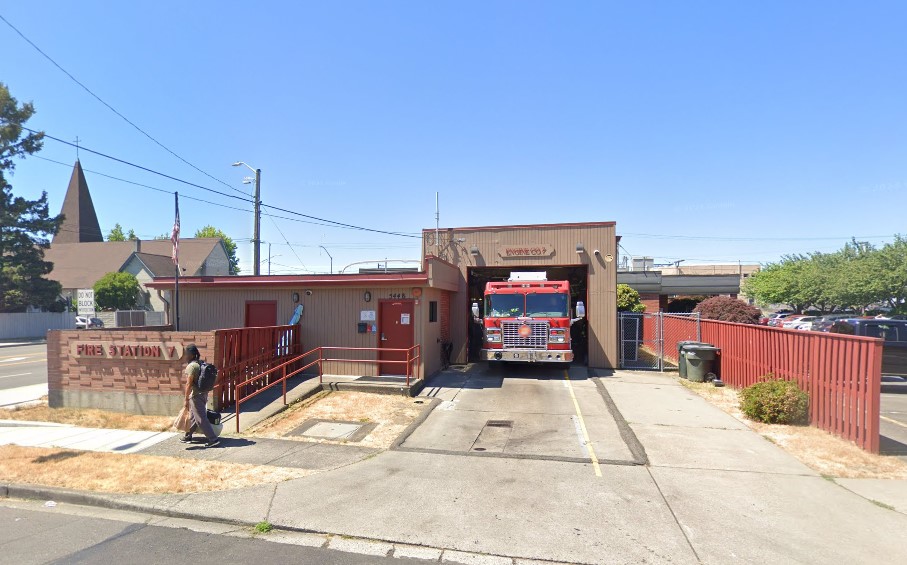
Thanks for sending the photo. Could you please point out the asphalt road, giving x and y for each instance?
(893, 417)
(23, 365)
(32, 534)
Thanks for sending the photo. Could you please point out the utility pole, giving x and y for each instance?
(257, 260)
(256, 229)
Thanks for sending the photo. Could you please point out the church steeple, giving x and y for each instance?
(81, 223)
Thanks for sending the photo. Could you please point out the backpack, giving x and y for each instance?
(207, 377)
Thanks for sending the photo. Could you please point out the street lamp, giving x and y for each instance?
(256, 236)
(329, 255)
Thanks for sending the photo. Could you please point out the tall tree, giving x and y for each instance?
(211, 231)
(25, 225)
(117, 234)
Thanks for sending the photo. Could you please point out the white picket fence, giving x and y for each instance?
(28, 326)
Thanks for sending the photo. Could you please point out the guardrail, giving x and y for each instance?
(841, 373)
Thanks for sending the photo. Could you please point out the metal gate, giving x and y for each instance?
(649, 341)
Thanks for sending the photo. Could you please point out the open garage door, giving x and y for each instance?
(576, 275)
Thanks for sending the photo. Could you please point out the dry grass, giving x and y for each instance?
(131, 474)
(815, 448)
(88, 418)
(391, 413)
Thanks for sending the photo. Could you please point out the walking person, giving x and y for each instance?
(196, 400)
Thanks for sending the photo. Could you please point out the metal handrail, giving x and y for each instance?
(283, 379)
(413, 355)
(410, 358)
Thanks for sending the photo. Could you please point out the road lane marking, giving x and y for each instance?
(11, 376)
(10, 360)
(902, 424)
(22, 363)
(582, 425)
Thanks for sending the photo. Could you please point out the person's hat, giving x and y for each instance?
(192, 349)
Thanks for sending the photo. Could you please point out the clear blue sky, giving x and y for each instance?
(709, 131)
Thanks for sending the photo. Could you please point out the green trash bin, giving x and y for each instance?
(700, 361)
(681, 355)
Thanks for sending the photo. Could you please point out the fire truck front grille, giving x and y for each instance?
(538, 339)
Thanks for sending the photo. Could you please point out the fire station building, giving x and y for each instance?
(429, 308)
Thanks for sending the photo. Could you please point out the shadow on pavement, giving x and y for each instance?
(888, 446)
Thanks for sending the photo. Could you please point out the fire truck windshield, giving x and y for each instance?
(531, 305)
(504, 305)
(546, 305)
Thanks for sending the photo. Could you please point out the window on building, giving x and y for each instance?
(433, 311)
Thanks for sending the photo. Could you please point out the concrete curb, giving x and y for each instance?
(626, 432)
(408, 431)
(99, 500)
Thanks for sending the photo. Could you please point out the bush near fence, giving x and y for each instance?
(842, 374)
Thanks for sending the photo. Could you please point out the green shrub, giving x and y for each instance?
(775, 402)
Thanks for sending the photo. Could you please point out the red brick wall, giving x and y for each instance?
(653, 302)
(125, 375)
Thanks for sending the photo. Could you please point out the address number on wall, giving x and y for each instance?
(398, 295)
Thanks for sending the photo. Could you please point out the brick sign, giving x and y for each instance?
(148, 351)
(531, 250)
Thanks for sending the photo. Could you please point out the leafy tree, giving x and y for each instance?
(211, 231)
(628, 299)
(727, 309)
(116, 291)
(24, 224)
(856, 276)
(117, 234)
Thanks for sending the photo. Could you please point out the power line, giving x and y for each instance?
(145, 185)
(111, 108)
(324, 222)
(288, 243)
(146, 169)
(341, 224)
(712, 238)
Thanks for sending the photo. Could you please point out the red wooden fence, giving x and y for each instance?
(842, 374)
(242, 353)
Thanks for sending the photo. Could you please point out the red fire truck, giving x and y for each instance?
(527, 318)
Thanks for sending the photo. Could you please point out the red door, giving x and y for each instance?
(261, 314)
(395, 331)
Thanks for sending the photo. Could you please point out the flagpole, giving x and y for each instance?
(176, 264)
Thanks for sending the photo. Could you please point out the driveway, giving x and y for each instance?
(523, 412)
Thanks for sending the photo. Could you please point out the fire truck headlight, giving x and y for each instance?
(493, 336)
(557, 335)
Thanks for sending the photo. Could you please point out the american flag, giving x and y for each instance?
(175, 236)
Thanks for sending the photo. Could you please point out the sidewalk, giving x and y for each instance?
(713, 492)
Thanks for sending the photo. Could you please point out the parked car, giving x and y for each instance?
(791, 322)
(893, 332)
(775, 320)
(806, 324)
(86, 323)
(822, 323)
